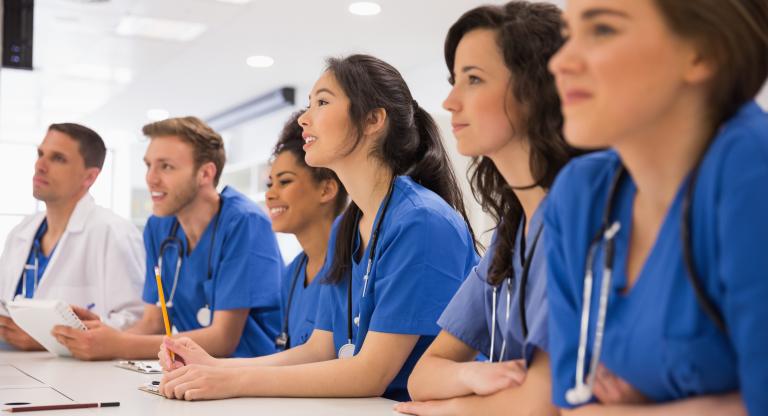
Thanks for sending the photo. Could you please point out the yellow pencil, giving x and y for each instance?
(163, 307)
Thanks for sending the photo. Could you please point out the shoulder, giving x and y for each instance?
(740, 148)
(105, 220)
(582, 179)
(238, 207)
(416, 206)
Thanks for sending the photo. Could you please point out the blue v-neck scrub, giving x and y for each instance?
(657, 336)
(424, 252)
(469, 315)
(304, 300)
(246, 269)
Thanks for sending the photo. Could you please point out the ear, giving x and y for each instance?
(90, 176)
(207, 173)
(700, 69)
(375, 122)
(328, 191)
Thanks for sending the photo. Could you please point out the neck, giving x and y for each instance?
(57, 213)
(513, 162)
(659, 157)
(196, 215)
(366, 181)
(314, 242)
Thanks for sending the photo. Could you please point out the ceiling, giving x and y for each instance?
(85, 71)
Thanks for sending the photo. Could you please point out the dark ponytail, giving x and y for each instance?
(411, 144)
(527, 35)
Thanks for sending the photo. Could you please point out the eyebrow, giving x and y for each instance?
(597, 12)
(285, 172)
(471, 67)
(323, 90)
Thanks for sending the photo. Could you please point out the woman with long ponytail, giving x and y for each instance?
(398, 253)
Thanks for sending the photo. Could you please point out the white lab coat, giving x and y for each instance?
(98, 260)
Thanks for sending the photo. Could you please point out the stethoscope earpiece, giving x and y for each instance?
(579, 394)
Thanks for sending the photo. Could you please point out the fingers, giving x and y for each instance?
(92, 324)
(84, 314)
(6, 321)
(410, 408)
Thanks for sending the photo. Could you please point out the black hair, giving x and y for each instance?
(411, 144)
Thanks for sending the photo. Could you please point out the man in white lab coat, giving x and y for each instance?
(75, 251)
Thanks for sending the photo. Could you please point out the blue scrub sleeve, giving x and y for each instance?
(420, 267)
(250, 268)
(563, 294)
(326, 308)
(744, 269)
(150, 285)
(465, 316)
(537, 304)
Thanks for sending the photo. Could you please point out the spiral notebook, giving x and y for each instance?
(37, 317)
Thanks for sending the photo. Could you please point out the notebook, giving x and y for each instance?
(37, 317)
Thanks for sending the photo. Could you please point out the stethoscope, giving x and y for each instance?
(348, 350)
(204, 314)
(526, 260)
(581, 392)
(283, 341)
(35, 266)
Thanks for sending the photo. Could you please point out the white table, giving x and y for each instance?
(45, 375)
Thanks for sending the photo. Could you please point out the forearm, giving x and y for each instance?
(302, 354)
(728, 404)
(333, 378)
(436, 378)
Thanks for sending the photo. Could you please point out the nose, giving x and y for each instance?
(151, 177)
(41, 166)
(452, 102)
(303, 119)
(566, 60)
(271, 193)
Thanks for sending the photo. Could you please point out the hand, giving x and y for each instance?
(428, 408)
(488, 378)
(16, 336)
(610, 389)
(99, 342)
(85, 314)
(198, 382)
(186, 352)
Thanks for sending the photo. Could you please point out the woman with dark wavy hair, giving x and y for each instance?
(506, 115)
(398, 253)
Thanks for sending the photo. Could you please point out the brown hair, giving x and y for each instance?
(90, 144)
(733, 34)
(291, 141)
(208, 146)
(527, 35)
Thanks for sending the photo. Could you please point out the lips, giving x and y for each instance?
(575, 96)
(276, 212)
(157, 196)
(36, 180)
(458, 126)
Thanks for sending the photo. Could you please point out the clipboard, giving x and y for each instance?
(143, 367)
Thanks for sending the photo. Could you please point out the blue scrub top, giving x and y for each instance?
(42, 262)
(657, 336)
(301, 317)
(424, 252)
(468, 316)
(246, 267)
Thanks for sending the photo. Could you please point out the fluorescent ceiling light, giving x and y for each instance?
(157, 114)
(260, 61)
(163, 29)
(253, 108)
(364, 8)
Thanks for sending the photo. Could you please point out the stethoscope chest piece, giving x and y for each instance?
(204, 316)
(347, 351)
